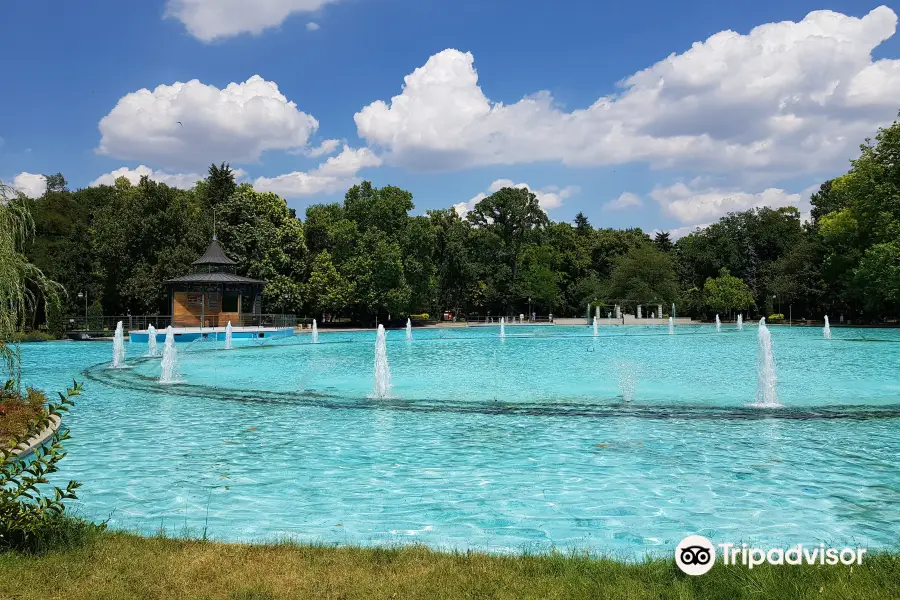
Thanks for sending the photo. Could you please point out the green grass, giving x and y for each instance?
(120, 565)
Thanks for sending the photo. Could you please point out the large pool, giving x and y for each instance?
(524, 443)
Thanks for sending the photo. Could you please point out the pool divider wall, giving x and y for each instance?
(25, 448)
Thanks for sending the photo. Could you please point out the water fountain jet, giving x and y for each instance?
(595, 326)
(671, 326)
(740, 322)
(315, 333)
(627, 379)
(827, 331)
(766, 393)
(382, 369)
(170, 372)
(119, 347)
(502, 327)
(718, 324)
(151, 341)
(408, 329)
(228, 332)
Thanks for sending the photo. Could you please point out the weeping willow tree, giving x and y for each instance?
(31, 516)
(22, 285)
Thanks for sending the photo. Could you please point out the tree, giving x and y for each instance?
(376, 273)
(644, 276)
(727, 292)
(220, 184)
(879, 275)
(796, 277)
(56, 183)
(386, 209)
(22, 284)
(582, 225)
(419, 269)
(587, 290)
(327, 290)
(266, 239)
(141, 235)
(540, 279)
(454, 270)
(512, 216)
(55, 324)
(662, 242)
(27, 512)
(746, 243)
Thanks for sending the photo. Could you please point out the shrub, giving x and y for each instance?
(31, 336)
(30, 519)
(17, 412)
(775, 317)
(421, 317)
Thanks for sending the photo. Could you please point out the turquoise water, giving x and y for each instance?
(490, 444)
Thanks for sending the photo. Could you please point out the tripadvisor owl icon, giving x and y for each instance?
(695, 555)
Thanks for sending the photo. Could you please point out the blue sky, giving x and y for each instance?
(743, 120)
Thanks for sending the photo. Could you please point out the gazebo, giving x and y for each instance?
(213, 294)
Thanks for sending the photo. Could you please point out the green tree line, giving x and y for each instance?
(370, 255)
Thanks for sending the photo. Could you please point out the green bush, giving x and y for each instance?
(32, 520)
(31, 336)
(775, 317)
(421, 317)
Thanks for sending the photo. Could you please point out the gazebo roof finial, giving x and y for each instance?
(214, 255)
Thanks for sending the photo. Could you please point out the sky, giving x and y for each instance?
(659, 114)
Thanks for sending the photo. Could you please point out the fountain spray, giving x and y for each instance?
(382, 369)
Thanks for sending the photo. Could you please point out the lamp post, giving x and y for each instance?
(80, 296)
(529, 308)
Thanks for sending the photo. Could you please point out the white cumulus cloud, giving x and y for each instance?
(176, 180)
(189, 125)
(624, 201)
(548, 198)
(323, 149)
(313, 26)
(694, 202)
(208, 20)
(680, 232)
(785, 98)
(31, 184)
(335, 174)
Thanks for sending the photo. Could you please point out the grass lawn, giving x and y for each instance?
(119, 566)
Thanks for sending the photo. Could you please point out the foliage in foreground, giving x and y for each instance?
(31, 520)
(18, 411)
(118, 565)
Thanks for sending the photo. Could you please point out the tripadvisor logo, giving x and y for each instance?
(696, 555)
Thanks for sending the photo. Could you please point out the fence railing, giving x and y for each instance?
(495, 319)
(141, 322)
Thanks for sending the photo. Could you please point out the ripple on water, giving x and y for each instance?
(492, 446)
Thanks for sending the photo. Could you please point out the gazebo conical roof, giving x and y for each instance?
(214, 255)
